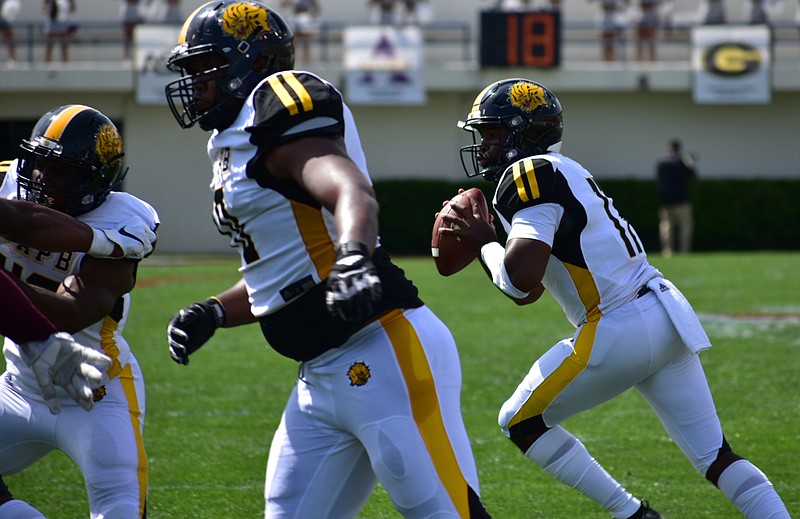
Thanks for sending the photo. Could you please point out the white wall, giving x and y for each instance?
(614, 134)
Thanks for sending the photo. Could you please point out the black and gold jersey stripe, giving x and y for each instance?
(527, 182)
(287, 100)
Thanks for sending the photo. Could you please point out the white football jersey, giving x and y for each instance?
(597, 260)
(49, 269)
(285, 238)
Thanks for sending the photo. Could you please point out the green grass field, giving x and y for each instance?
(209, 424)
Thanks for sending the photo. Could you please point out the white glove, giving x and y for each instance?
(60, 361)
(134, 237)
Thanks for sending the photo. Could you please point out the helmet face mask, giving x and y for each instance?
(492, 149)
(198, 66)
(72, 160)
(235, 45)
(55, 184)
(527, 117)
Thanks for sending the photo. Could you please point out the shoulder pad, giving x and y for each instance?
(525, 183)
(286, 100)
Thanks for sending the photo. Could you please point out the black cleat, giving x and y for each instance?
(645, 512)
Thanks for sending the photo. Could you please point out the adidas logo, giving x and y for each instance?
(662, 287)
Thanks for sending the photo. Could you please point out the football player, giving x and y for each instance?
(377, 397)
(633, 327)
(56, 360)
(72, 163)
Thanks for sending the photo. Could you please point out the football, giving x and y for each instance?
(449, 254)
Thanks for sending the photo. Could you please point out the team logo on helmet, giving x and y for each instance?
(243, 21)
(527, 96)
(359, 374)
(109, 144)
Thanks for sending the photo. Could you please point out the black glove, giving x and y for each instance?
(353, 285)
(192, 327)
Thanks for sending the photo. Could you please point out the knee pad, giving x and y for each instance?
(525, 433)
(725, 458)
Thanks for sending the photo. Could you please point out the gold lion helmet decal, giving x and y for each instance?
(109, 144)
(527, 96)
(244, 20)
(359, 374)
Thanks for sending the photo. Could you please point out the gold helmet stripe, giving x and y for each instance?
(185, 28)
(476, 105)
(56, 127)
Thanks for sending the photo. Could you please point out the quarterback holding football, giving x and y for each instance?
(633, 328)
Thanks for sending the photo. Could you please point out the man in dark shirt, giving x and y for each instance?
(674, 173)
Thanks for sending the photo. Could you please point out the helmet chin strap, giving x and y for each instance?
(222, 114)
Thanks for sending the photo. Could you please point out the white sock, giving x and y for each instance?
(16, 509)
(565, 458)
(751, 492)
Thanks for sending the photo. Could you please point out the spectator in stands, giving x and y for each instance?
(8, 13)
(410, 14)
(382, 11)
(173, 14)
(757, 14)
(58, 27)
(647, 30)
(714, 12)
(304, 19)
(612, 26)
(667, 17)
(162, 11)
(131, 17)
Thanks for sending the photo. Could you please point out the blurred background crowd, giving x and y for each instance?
(44, 31)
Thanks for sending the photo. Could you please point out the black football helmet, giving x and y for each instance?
(72, 160)
(528, 112)
(221, 42)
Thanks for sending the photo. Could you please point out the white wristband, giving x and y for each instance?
(101, 246)
(493, 256)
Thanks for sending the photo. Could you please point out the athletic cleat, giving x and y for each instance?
(645, 512)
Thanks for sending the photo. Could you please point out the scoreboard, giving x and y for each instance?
(520, 39)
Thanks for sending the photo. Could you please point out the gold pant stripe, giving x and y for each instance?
(126, 379)
(425, 406)
(558, 380)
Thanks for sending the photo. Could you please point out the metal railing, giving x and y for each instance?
(103, 43)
